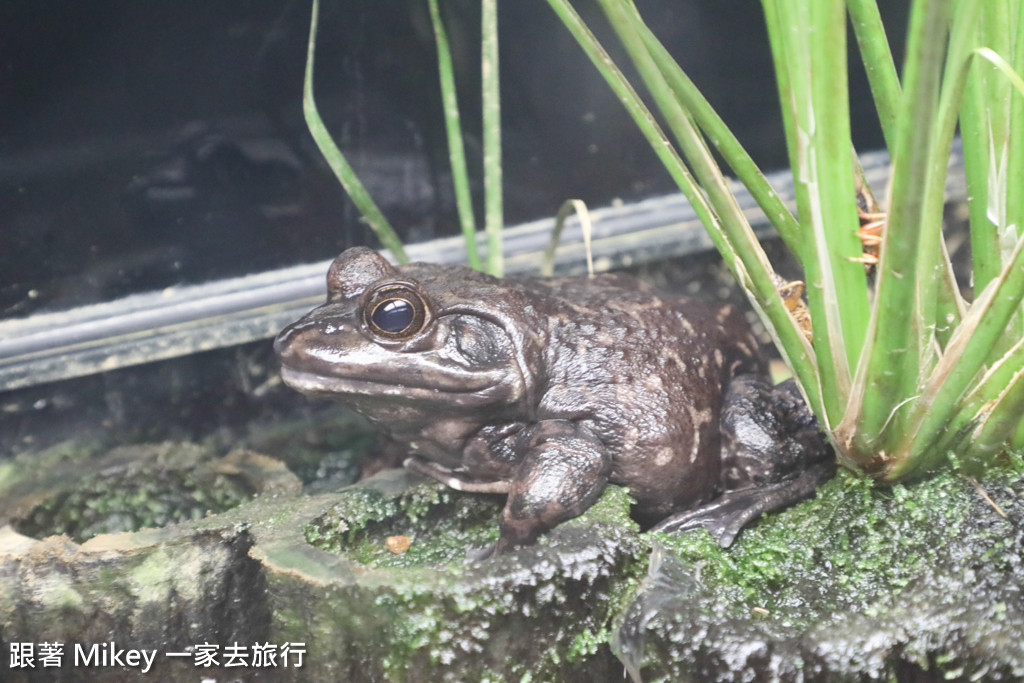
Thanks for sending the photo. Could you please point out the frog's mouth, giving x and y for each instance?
(464, 388)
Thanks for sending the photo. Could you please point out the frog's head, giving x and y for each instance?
(429, 337)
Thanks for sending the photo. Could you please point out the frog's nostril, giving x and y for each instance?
(282, 339)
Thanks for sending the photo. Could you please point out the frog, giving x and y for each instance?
(547, 390)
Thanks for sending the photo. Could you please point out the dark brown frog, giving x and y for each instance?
(548, 389)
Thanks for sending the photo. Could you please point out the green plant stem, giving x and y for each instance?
(994, 165)
(949, 305)
(965, 357)
(789, 337)
(1002, 422)
(710, 179)
(1015, 146)
(491, 98)
(342, 169)
(1015, 202)
(642, 117)
(808, 47)
(453, 127)
(1015, 155)
(1017, 440)
(992, 407)
(899, 335)
(751, 268)
(878, 63)
(996, 390)
(983, 121)
(723, 140)
(937, 296)
(918, 371)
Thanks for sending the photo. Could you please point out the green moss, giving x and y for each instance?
(150, 498)
(612, 508)
(842, 550)
(31, 469)
(539, 612)
(440, 524)
(82, 492)
(64, 595)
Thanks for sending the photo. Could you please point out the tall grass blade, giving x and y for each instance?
(878, 64)
(967, 354)
(937, 297)
(999, 63)
(789, 337)
(569, 206)
(491, 97)
(342, 169)
(724, 142)
(453, 128)
(997, 389)
(752, 269)
(1001, 423)
(901, 337)
(808, 46)
(949, 306)
(1015, 175)
(984, 121)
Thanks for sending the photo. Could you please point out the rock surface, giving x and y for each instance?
(919, 582)
(376, 581)
(260, 574)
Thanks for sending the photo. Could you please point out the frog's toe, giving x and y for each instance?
(726, 516)
(721, 518)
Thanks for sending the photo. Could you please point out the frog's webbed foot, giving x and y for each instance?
(773, 455)
(562, 472)
(561, 475)
(725, 516)
(769, 435)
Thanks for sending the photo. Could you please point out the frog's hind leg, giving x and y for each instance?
(773, 455)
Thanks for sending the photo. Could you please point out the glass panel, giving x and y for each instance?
(144, 146)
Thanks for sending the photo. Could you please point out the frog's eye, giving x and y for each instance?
(395, 311)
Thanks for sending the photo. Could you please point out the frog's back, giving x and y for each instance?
(619, 312)
(646, 373)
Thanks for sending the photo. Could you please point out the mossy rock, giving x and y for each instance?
(83, 491)
(432, 613)
(913, 582)
(377, 582)
(252, 574)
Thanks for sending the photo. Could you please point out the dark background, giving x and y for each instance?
(149, 144)
(144, 145)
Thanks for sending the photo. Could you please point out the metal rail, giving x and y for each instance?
(182, 320)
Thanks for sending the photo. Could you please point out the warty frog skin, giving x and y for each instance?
(547, 390)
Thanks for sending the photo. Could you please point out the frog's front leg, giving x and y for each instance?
(774, 454)
(563, 470)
